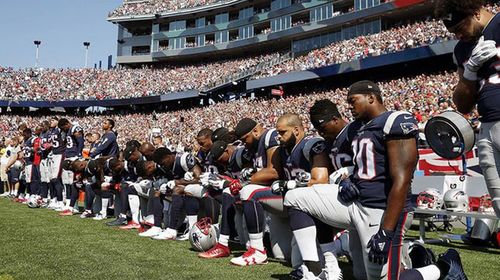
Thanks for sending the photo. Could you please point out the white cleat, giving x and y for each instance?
(332, 269)
(99, 217)
(153, 231)
(251, 257)
(167, 234)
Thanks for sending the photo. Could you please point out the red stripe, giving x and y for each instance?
(398, 263)
(257, 190)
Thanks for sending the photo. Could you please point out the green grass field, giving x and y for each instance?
(38, 244)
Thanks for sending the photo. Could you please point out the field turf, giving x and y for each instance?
(38, 244)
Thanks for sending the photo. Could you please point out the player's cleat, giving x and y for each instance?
(218, 251)
(5, 194)
(167, 234)
(451, 266)
(86, 214)
(120, 221)
(296, 274)
(251, 257)
(153, 231)
(184, 236)
(68, 212)
(131, 225)
(308, 275)
(99, 217)
(332, 269)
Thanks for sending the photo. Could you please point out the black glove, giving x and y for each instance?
(279, 187)
(348, 192)
(379, 246)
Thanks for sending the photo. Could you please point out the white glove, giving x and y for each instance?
(145, 184)
(170, 184)
(216, 184)
(107, 179)
(482, 52)
(163, 188)
(339, 175)
(105, 185)
(188, 176)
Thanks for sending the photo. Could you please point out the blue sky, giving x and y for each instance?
(62, 26)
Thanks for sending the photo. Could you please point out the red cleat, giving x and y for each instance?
(218, 251)
(131, 225)
(66, 212)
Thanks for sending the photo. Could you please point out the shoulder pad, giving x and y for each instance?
(271, 138)
(313, 146)
(400, 123)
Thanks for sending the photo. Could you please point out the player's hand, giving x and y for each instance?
(170, 184)
(482, 52)
(379, 246)
(105, 186)
(204, 178)
(217, 184)
(235, 187)
(280, 186)
(163, 188)
(302, 179)
(188, 176)
(246, 174)
(339, 175)
(348, 192)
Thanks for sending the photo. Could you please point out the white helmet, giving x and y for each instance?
(203, 235)
(485, 205)
(430, 199)
(456, 201)
(33, 202)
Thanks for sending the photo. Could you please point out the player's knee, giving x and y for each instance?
(247, 192)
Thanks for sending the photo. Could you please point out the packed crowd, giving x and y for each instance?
(84, 84)
(393, 40)
(424, 95)
(151, 7)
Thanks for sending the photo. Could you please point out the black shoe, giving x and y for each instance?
(451, 266)
(120, 221)
(296, 274)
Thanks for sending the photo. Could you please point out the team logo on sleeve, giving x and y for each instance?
(319, 148)
(408, 128)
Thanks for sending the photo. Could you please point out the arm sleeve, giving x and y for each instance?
(108, 139)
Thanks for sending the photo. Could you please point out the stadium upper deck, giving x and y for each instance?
(155, 31)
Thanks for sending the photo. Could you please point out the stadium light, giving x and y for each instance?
(37, 44)
(86, 45)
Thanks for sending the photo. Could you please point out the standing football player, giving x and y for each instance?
(477, 55)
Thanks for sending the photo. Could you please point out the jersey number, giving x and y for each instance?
(293, 173)
(69, 142)
(365, 158)
(53, 140)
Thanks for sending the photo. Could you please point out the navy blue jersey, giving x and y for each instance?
(488, 103)
(267, 140)
(340, 151)
(57, 141)
(240, 158)
(208, 164)
(74, 145)
(131, 171)
(107, 146)
(28, 150)
(371, 171)
(44, 138)
(183, 163)
(300, 159)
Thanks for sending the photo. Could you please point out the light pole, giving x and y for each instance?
(86, 45)
(37, 44)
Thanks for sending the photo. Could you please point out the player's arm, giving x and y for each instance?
(79, 141)
(319, 170)
(196, 170)
(466, 94)
(271, 172)
(403, 155)
(103, 145)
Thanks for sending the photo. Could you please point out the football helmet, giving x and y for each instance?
(430, 199)
(33, 202)
(485, 205)
(456, 201)
(203, 235)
